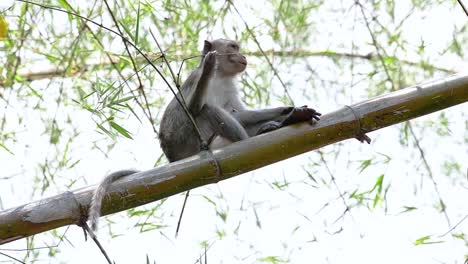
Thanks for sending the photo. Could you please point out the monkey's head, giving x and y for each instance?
(229, 60)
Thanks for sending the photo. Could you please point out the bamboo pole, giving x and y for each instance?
(235, 159)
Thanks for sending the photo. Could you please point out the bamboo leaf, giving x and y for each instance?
(124, 132)
(3, 28)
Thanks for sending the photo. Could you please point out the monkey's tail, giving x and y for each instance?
(95, 209)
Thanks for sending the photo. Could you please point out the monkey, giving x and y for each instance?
(212, 98)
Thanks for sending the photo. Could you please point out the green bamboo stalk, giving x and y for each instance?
(152, 185)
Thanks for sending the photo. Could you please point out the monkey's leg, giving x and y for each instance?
(267, 127)
(261, 121)
(214, 120)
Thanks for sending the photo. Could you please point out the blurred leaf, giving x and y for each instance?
(120, 129)
(408, 209)
(364, 165)
(68, 7)
(3, 28)
(65, 5)
(272, 259)
(378, 190)
(425, 240)
(5, 148)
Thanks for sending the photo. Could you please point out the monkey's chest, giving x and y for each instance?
(220, 102)
(221, 94)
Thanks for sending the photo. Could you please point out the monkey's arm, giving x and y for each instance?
(196, 102)
(266, 120)
(261, 121)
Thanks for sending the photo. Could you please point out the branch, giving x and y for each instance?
(237, 158)
(59, 71)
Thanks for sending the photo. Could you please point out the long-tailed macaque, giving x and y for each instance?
(212, 98)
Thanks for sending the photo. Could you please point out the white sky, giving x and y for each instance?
(291, 219)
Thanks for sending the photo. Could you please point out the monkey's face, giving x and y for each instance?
(229, 59)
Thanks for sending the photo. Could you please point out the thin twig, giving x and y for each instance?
(184, 107)
(347, 208)
(49, 73)
(62, 237)
(182, 64)
(275, 72)
(163, 56)
(53, 123)
(204, 254)
(8, 256)
(375, 44)
(426, 164)
(125, 80)
(429, 171)
(463, 6)
(140, 84)
(182, 213)
(85, 226)
(174, 78)
(455, 226)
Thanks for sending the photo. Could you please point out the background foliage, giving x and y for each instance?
(73, 109)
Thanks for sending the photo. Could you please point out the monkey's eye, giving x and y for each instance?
(234, 46)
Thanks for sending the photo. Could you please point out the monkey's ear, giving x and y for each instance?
(207, 47)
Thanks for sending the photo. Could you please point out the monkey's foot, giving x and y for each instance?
(363, 138)
(204, 146)
(270, 126)
(301, 114)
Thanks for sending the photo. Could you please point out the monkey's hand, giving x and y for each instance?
(301, 114)
(209, 62)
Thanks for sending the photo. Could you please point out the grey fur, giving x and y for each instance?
(95, 209)
(212, 99)
(209, 103)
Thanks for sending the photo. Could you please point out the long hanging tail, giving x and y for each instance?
(95, 209)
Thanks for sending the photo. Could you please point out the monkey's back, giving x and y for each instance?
(177, 136)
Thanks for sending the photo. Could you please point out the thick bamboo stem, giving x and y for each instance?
(235, 159)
